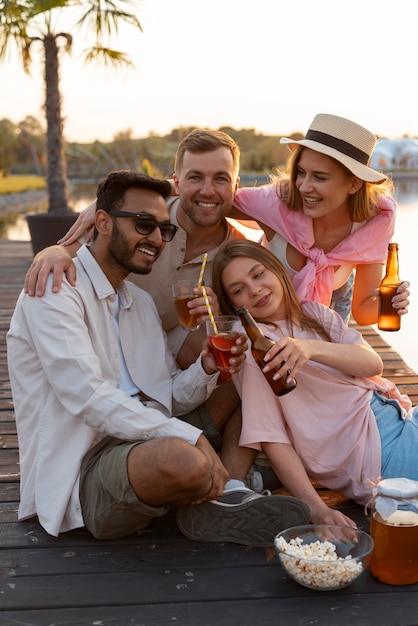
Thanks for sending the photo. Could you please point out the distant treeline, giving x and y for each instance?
(23, 151)
(155, 154)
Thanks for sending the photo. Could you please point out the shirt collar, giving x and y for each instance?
(101, 284)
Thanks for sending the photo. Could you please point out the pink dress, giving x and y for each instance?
(327, 418)
(315, 281)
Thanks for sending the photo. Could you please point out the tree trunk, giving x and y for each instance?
(57, 181)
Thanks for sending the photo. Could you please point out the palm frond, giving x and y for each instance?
(105, 16)
(13, 19)
(108, 57)
(68, 38)
(41, 6)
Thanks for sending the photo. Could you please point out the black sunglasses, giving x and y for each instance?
(145, 224)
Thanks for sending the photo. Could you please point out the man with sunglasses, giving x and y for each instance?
(206, 177)
(95, 388)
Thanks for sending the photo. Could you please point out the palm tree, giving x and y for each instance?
(27, 23)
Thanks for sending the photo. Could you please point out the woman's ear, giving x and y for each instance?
(356, 184)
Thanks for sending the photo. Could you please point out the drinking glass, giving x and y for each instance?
(221, 336)
(182, 294)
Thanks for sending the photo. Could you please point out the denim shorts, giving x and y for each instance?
(342, 297)
(399, 437)
(109, 505)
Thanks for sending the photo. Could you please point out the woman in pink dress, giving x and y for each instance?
(343, 425)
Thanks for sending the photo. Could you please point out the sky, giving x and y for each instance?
(267, 65)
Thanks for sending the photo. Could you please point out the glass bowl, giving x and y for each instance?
(323, 556)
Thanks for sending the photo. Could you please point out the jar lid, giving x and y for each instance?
(398, 488)
(393, 494)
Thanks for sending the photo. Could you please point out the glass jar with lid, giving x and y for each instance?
(394, 529)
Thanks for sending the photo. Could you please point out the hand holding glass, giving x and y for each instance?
(222, 333)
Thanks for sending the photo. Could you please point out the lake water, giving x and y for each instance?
(404, 341)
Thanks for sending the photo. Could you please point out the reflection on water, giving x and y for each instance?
(14, 225)
(407, 190)
(405, 341)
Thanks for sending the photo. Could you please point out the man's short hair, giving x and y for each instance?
(111, 190)
(199, 141)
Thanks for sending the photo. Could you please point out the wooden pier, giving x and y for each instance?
(159, 577)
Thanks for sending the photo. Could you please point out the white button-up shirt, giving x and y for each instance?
(64, 369)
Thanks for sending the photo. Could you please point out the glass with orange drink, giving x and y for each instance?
(182, 294)
(222, 332)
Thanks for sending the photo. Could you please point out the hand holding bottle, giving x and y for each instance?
(286, 357)
(389, 318)
(401, 300)
(281, 383)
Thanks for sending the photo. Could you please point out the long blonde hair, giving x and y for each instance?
(363, 204)
(245, 248)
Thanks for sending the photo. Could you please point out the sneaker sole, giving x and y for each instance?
(254, 523)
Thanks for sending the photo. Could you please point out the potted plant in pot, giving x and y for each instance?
(36, 22)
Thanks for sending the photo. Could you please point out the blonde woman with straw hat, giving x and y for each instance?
(328, 214)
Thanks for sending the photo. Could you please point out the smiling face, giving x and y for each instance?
(324, 184)
(118, 247)
(247, 282)
(206, 185)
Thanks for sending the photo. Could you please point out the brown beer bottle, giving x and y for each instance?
(388, 317)
(260, 344)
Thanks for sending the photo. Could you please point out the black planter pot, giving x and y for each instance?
(46, 228)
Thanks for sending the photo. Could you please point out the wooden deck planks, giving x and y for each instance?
(159, 577)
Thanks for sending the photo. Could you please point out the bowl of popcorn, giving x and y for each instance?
(322, 556)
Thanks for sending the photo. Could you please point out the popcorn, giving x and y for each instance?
(324, 569)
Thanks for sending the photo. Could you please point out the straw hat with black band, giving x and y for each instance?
(343, 140)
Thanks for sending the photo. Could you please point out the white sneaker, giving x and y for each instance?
(261, 477)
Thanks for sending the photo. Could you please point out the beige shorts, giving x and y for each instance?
(109, 505)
